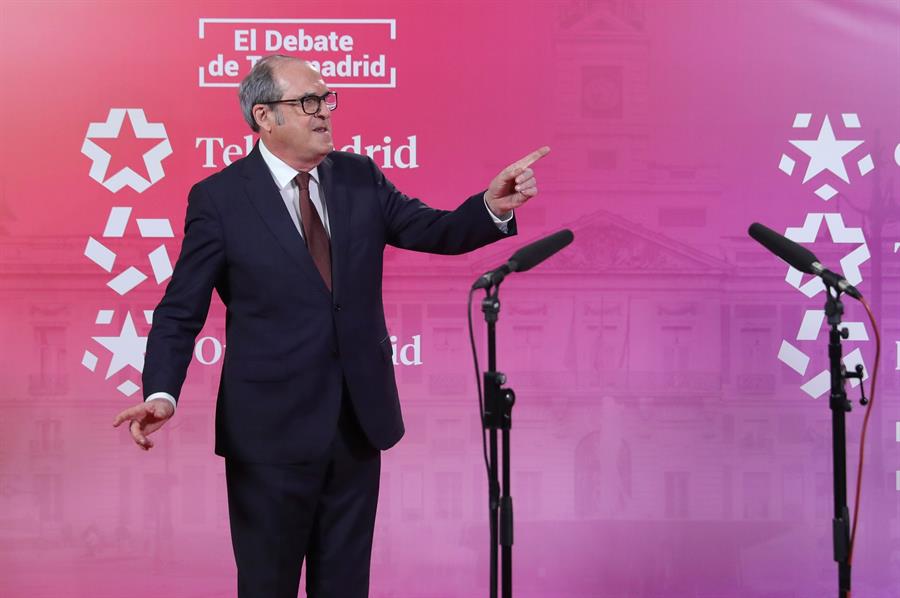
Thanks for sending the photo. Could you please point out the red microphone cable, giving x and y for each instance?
(865, 426)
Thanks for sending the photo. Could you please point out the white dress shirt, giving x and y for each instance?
(284, 176)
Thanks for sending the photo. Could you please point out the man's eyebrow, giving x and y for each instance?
(312, 93)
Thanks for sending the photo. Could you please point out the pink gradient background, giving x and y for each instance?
(659, 447)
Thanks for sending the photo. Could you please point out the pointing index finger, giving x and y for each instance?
(531, 158)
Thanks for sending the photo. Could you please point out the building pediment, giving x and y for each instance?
(619, 17)
(607, 243)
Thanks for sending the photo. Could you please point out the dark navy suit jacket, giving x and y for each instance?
(290, 344)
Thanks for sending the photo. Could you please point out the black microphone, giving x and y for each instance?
(800, 258)
(526, 258)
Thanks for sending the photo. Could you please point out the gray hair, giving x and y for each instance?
(259, 87)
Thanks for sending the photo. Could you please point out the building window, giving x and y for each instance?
(757, 495)
(193, 495)
(448, 499)
(757, 369)
(601, 91)
(678, 349)
(47, 437)
(588, 476)
(792, 494)
(49, 493)
(412, 495)
(526, 493)
(677, 485)
(50, 342)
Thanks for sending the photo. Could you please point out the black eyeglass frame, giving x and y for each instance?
(301, 100)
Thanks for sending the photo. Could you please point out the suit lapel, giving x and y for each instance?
(265, 197)
(337, 202)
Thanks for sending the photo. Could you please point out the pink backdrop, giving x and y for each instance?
(661, 445)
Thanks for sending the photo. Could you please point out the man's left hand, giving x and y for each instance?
(514, 185)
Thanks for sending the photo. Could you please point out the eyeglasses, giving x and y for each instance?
(311, 104)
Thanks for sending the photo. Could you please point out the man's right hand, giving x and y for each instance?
(145, 419)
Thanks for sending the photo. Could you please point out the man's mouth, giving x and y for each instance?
(320, 130)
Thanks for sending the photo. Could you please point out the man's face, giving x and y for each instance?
(303, 138)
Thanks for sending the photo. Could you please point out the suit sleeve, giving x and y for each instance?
(411, 224)
(180, 315)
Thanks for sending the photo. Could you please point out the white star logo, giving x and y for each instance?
(813, 320)
(826, 152)
(98, 252)
(840, 234)
(127, 349)
(142, 130)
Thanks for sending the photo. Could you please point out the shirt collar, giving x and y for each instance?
(281, 171)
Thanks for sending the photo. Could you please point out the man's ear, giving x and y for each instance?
(262, 116)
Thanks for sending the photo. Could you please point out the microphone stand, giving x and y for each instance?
(839, 406)
(498, 403)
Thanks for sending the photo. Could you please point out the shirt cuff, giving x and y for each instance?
(161, 395)
(502, 223)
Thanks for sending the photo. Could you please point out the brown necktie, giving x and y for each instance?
(313, 231)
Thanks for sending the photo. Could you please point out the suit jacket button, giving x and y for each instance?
(337, 307)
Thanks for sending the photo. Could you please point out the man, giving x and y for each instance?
(291, 237)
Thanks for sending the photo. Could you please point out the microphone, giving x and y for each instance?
(526, 258)
(800, 258)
